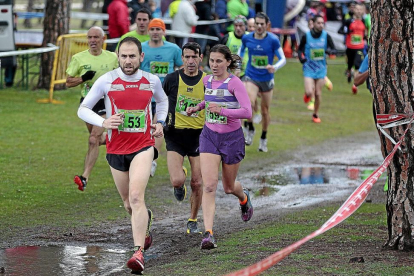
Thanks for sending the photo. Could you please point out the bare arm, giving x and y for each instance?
(73, 81)
(360, 78)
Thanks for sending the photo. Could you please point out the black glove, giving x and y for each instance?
(302, 59)
(88, 75)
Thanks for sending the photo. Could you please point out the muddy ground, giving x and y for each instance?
(170, 240)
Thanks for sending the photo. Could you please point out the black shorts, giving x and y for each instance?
(99, 107)
(122, 162)
(153, 108)
(264, 86)
(355, 58)
(183, 141)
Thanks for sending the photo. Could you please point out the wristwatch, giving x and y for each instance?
(161, 122)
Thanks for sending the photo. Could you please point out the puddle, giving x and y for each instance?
(66, 260)
(295, 185)
(311, 175)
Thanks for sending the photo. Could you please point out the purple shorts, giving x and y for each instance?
(230, 145)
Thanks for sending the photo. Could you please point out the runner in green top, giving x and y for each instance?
(84, 69)
(142, 20)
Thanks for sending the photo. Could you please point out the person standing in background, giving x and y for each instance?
(235, 8)
(184, 18)
(118, 22)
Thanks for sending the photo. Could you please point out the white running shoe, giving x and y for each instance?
(263, 145)
(257, 118)
(153, 168)
(249, 137)
(245, 130)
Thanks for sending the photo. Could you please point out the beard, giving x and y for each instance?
(134, 69)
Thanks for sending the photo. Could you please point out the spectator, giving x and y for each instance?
(184, 18)
(165, 6)
(203, 11)
(136, 5)
(105, 10)
(221, 11)
(235, 8)
(142, 20)
(118, 22)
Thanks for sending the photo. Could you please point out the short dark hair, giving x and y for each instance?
(263, 16)
(223, 49)
(144, 10)
(316, 17)
(129, 40)
(194, 46)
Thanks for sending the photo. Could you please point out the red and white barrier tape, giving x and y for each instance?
(354, 201)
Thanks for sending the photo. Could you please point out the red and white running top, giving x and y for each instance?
(130, 95)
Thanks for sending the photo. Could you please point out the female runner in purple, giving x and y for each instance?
(226, 102)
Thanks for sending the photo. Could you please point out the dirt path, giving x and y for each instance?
(170, 240)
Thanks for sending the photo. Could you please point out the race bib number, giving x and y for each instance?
(260, 62)
(183, 102)
(214, 118)
(317, 54)
(134, 120)
(159, 68)
(85, 90)
(356, 39)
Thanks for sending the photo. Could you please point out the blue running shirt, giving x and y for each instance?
(160, 61)
(261, 53)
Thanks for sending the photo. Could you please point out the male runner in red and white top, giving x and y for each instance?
(127, 93)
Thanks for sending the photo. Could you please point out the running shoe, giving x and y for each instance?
(263, 145)
(311, 105)
(245, 131)
(153, 168)
(306, 98)
(208, 241)
(257, 118)
(246, 209)
(180, 193)
(148, 234)
(328, 84)
(192, 228)
(136, 263)
(354, 89)
(249, 137)
(349, 77)
(80, 181)
(316, 119)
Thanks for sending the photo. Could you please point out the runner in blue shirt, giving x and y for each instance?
(160, 58)
(262, 47)
(313, 48)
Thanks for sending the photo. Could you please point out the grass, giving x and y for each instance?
(328, 254)
(43, 145)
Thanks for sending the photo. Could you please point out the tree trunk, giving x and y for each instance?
(27, 23)
(392, 72)
(55, 23)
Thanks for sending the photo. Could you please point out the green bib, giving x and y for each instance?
(214, 118)
(183, 102)
(260, 62)
(159, 68)
(317, 54)
(134, 120)
(356, 39)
